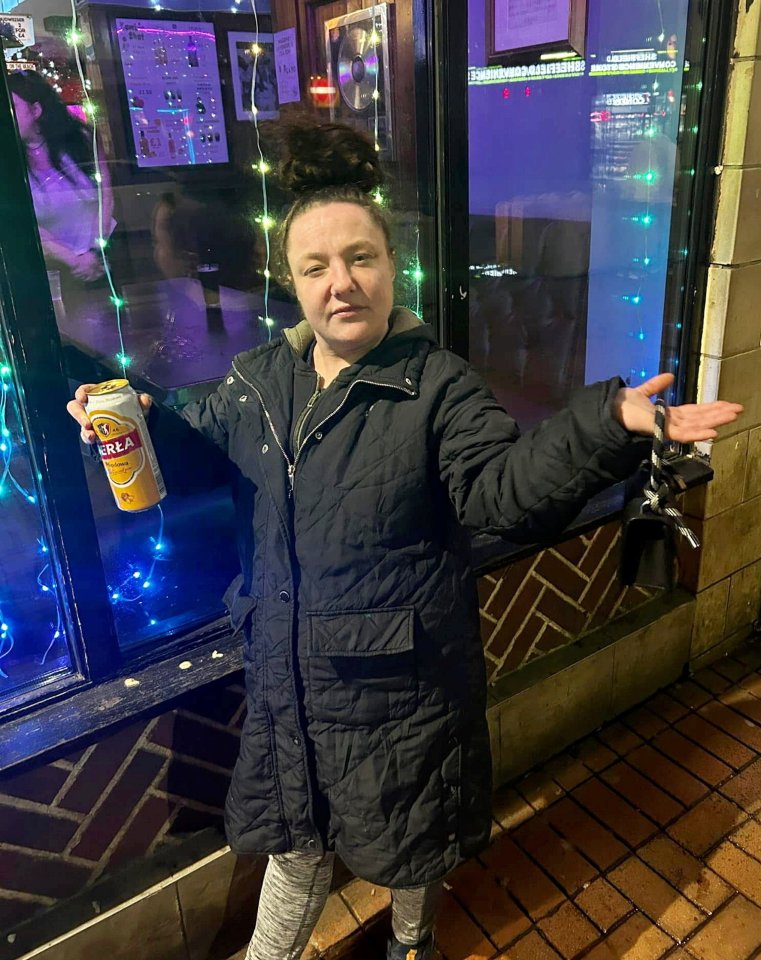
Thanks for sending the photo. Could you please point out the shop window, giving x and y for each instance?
(148, 131)
(580, 183)
(34, 620)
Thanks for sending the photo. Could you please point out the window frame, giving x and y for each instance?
(49, 713)
(709, 32)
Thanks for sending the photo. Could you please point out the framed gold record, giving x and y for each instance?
(357, 53)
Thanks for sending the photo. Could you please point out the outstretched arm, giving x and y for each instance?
(530, 487)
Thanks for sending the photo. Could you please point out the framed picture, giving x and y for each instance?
(524, 31)
(254, 74)
(357, 52)
(171, 92)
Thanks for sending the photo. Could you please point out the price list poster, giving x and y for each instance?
(173, 90)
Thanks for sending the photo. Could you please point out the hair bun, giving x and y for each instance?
(319, 155)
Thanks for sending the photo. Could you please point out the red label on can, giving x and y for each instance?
(120, 446)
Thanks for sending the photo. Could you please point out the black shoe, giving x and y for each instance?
(401, 951)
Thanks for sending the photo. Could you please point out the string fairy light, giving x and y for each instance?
(413, 270)
(76, 39)
(133, 586)
(262, 167)
(9, 482)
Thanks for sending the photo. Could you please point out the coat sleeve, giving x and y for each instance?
(192, 445)
(529, 487)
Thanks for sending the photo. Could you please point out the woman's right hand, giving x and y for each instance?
(76, 409)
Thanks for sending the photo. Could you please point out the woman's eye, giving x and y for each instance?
(312, 271)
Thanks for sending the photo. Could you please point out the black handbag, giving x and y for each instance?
(651, 522)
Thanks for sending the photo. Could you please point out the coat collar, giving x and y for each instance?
(395, 362)
(301, 336)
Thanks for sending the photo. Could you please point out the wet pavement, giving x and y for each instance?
(640, 842)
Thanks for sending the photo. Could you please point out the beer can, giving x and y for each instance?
(125, 446)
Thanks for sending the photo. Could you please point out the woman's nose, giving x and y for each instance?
(341, 279)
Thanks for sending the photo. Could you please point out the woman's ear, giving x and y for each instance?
(36, 110)
(392, 256)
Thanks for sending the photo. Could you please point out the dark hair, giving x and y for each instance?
(63, 134)
(326, 163)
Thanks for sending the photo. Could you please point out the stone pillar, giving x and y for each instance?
(727, 514)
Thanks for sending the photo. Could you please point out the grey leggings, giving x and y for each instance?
(296, 886)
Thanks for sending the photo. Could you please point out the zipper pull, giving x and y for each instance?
(291, 471)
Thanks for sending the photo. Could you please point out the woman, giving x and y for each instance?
(366, 456)
(62, 177)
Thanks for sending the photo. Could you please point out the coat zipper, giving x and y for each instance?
(371, 383)
(292, 465)
(304, 415)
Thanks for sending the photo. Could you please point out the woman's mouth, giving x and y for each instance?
(346, 313)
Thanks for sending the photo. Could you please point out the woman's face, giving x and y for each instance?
(343, 274)
(27, 115)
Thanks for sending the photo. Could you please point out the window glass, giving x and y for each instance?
(149, 131)
(34, 627)
(574, 162)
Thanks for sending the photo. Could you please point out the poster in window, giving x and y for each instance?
(524, 30)
(171, 79)
(286, 60)
(252, 62)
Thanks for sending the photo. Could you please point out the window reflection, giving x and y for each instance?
(150, 130)
(572, 177)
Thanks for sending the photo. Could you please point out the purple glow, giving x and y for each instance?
(173, 33)
(79, 112)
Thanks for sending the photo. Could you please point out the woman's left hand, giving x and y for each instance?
(684, 424)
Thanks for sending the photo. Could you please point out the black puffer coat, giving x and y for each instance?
(357, 604)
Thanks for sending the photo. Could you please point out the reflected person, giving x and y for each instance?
(62, 177)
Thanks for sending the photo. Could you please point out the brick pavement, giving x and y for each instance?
(639, 843)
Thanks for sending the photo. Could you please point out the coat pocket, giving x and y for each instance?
(361, 666)
(240, 605)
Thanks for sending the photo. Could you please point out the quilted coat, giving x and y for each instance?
(357, 606)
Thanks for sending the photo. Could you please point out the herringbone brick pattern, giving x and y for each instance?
(536, 605)
(63, 825)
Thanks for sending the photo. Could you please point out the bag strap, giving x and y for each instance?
(657, 491)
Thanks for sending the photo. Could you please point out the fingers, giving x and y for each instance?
(76, 409)
(658, 384)
(699, 421)
(82, 392)
(145, 401)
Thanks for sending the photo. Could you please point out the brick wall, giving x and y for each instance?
(727, 580)
(535, 606)
(65, 824)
